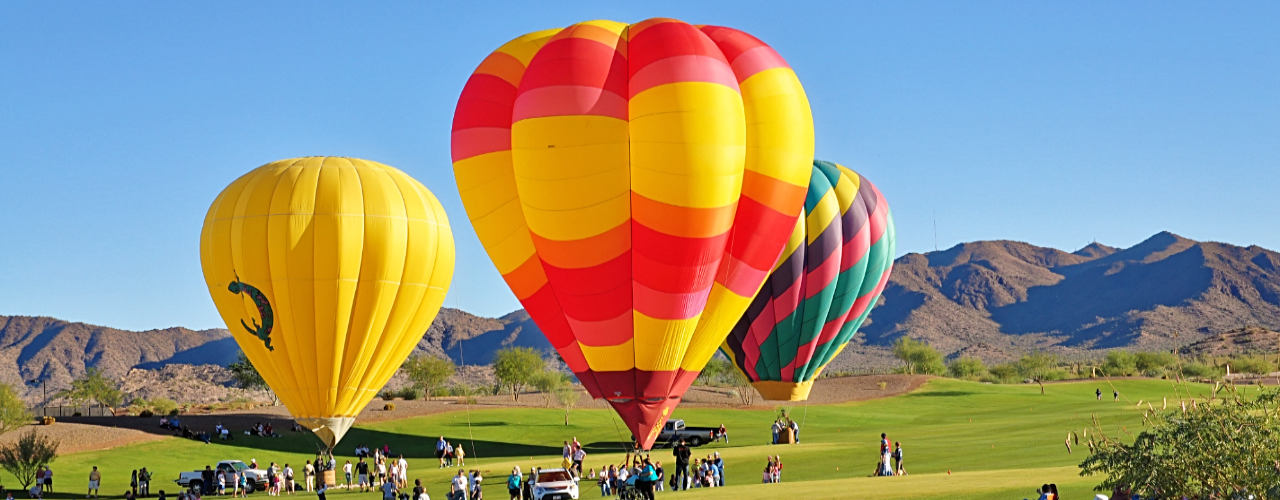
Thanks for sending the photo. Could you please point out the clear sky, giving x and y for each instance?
(1056, 123)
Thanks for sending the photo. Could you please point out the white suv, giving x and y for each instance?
(555, 484)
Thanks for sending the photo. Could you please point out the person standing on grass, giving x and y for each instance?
(440, 444)
(1098, 392)
(513, 483)
(48, 480)
(1115, 395)
(288, 479)
(346, 471)
(461, 453)
(579, 455)
(419, 492)
(362, 475)
(458, 487)
(388, 490)
(144, 482)
(897, 459)
(94, 478)
(682, 454)
(309, 475)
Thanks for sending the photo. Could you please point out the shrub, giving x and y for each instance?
(163, 405)
(389, 407)
(967, 367)
(173, 413)
(77, 414)
(1004, 373)
(1252, 364)
(48, 420)
(1152, 364)
(1195, 369)
(146, 414)
(1120, 364)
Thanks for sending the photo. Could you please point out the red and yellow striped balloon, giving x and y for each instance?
(634, 184)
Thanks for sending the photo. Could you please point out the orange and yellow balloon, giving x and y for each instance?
(634, 184)
(328, 271)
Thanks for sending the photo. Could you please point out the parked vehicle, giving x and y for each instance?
(195, 479)
(555, 484)
(675, 430)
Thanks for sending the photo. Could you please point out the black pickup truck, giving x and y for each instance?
(675, 430)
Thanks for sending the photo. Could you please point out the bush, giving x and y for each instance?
(389, 407)
(77, 414)
(967, 367)
(1200, 370)
(1252, 364)
(1152, 364)
(146, 414)
(1120, 364)
(48, 420)
(918, 357)
(163, 405)
(1004, 373)
(173, 412)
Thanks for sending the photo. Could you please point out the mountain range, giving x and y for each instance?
(990, 299)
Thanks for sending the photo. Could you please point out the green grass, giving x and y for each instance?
(960, 440)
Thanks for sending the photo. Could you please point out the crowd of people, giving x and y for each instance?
(890, 459)
(447, 453)
(784, 430)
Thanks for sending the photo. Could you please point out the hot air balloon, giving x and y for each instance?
(634, 184)
(825, 284)
(327, 271)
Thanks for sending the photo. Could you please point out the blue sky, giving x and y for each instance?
(1053, 123)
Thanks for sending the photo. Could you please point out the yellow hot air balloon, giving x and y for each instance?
(327, 271)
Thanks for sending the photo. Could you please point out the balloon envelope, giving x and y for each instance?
(829, 277)
(327, 271)
(634, 184)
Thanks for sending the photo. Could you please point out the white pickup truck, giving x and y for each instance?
(195, 479)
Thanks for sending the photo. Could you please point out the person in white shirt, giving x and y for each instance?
(459, 487)
(404, 472)
(346, 471)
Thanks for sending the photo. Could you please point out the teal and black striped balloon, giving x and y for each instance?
(825, 283)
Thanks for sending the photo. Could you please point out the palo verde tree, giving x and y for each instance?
(93, 386)
(246, 376)
(24, 457)
(918, 357)
(1037, 366)
(13, 411)
(428, 373)
(516, 367)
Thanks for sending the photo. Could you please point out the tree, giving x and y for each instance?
(567, 396)
(429, 373)
(1120, 364)
(548, 382)
(515, 367)
(721, 372)
(1223, 446)
(25, 456)
(967, 367)
(1037, 366)
(93, 387)
(1152, 364)
(247, 377)
(1256, 365)
(918, 357)
(13, 411)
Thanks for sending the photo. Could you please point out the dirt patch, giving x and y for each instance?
(78, 437)
(84, 433)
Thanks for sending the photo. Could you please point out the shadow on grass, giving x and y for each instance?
(939, 394)
(303, 442)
